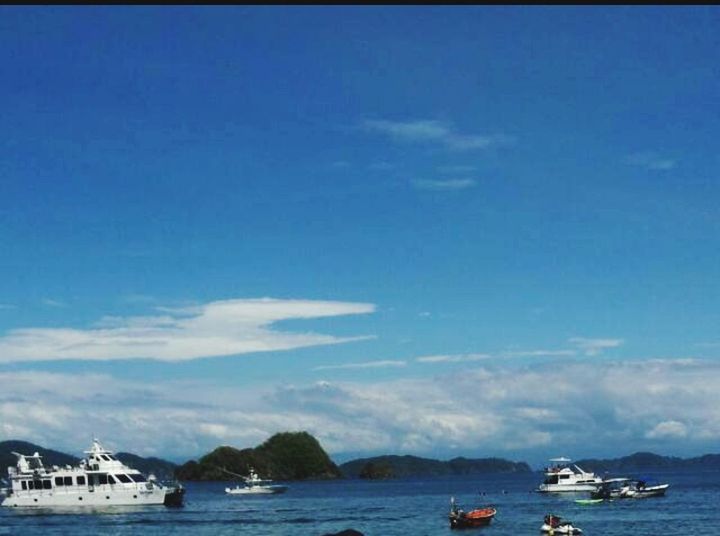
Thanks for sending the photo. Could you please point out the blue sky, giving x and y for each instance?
(430, 230)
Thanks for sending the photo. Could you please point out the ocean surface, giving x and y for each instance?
(396, 507)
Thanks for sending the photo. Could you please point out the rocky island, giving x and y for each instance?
(285, 456)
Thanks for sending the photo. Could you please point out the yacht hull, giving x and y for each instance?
(567, 488)
(85, 498)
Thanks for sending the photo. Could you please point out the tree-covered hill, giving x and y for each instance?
(285, 456)
(646, 461)
(162, 469)
(403, 466)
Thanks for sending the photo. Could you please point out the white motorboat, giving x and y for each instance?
(255, 485)
(99, 480)
(553, 525)
(560, 476)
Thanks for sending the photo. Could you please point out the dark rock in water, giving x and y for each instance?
(346, 532)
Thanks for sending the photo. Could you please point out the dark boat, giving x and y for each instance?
(480, 517)
(628, 488)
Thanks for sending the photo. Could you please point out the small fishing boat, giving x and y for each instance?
(255, 485)
(628, 488)
(554, 525)
(459, 519)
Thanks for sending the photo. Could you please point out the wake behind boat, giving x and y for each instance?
(255, 485)
(561, 477)
(99, 480)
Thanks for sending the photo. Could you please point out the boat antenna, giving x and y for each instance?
(230, 472)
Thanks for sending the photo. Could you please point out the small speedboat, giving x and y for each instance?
(459, 519)
(556, 525)
(638, 489)
(256, 485)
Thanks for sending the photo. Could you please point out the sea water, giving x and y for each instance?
(417, 506)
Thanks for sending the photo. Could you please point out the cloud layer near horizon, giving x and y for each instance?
(219, 328)
(666, 404)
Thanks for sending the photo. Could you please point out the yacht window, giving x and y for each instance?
(59, 481)
(105, 457)
(564, 476)
(38, 484)
(123, 478)
(103, 479)
(112, 458)
(47, 484)
(138, 478)
(81, 481)
(24, 485)
(68, 480)
(111, 480)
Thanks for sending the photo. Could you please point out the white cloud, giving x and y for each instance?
(441, 185)
(340, 164)
(53, 303)
(594, 346)
(366, 364)
(138, 299)
(668, 429)
(457, 169)
(457, 358)
(432, 131)
(218, 328)
(651, 161)
(382, 166)
(632, 405)
(541, 353)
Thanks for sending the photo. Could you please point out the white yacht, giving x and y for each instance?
(561, 476)
(99, 480)
(255, 484)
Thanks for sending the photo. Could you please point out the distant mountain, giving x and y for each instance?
(285, 456)
(161, 468)
(645, 461)
(391, 466)
(49, 457)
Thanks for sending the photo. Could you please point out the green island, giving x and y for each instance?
(285, 456)
(382, 467)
